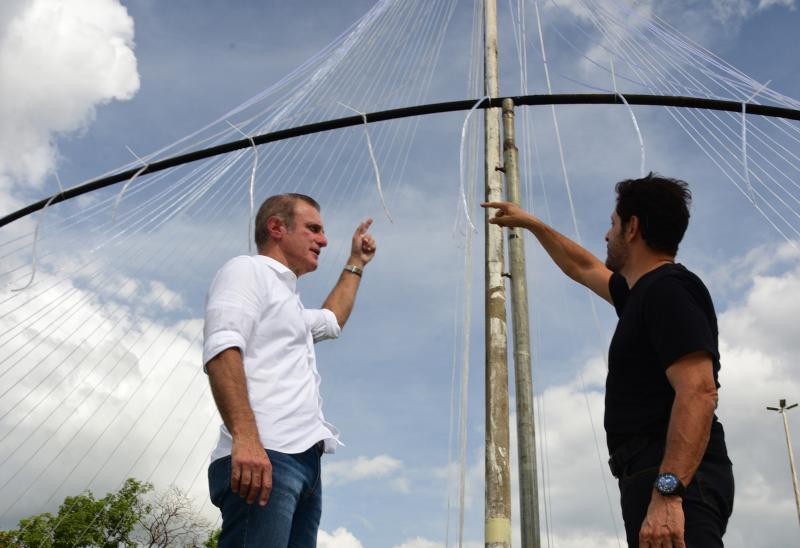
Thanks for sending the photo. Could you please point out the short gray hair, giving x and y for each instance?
(282, 207)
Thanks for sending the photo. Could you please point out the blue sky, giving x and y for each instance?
(106, 75)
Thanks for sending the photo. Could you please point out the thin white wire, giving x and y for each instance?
(642, 152)
(744, 143)
(251, 217)
(374, 161)
(461, 159)
(141, 170)
(39, 222)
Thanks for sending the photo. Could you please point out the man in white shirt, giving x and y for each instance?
(258, 352)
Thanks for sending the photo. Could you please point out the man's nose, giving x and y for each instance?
(323, 241)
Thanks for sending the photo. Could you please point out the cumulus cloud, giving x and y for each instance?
(90, 397)
(340, 538)
(758, 343)
(363, 468)
(58, 62)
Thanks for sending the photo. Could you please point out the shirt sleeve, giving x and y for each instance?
(322, 323)
(618, 288)
(232, 308)
(676, 323)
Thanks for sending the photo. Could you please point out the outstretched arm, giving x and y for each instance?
(575, 261)
(362, 250)
(251, 470)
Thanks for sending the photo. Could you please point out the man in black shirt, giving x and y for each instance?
(667, 447)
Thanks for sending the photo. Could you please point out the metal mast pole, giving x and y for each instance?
(526, 440)
(782, 410)
(498, 481)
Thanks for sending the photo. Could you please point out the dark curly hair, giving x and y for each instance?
(662, 206)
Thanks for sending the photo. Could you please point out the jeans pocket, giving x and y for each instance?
(219, 479)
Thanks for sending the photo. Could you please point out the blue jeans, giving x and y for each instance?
(291, 516)
(707, 505)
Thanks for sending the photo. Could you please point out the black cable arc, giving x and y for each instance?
(406, 112)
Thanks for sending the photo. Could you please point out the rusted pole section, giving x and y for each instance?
(523, 382)
(498, 481)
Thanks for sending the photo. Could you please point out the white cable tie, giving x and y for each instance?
(251, 220)
(642, 153)
(374, 161)
(39, 222)
(750, 191)
(145, 165)
(461, 174)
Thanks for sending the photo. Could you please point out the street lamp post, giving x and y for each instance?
(782, 410)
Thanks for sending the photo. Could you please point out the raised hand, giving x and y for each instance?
(363, 247)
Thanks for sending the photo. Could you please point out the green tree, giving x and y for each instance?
(83, 520)
(213, 539)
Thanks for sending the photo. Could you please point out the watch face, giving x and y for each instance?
(667, 483)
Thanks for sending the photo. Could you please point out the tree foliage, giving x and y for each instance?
(132, 516)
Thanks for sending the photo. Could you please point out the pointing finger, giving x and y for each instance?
(363, 227)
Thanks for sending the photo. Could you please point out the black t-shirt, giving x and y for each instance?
(666, 315)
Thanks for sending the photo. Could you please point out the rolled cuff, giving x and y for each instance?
(322, 323)
(218, 342)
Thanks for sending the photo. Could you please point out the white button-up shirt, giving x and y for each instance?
(253, 305)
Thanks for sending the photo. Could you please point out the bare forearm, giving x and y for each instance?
(688, 433)
(229, 388)
(343, 295)
(570, 257)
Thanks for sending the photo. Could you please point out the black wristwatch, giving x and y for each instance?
(668, 485)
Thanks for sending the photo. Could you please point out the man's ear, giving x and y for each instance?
(632, 228)
(276, 228)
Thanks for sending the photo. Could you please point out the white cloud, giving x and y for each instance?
(766, 4)
(94, 393)
(758, 343)
(349, 471)
(58, 62)
(340, 538)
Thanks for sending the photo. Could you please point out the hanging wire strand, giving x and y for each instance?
(373, 160)
(251, 186)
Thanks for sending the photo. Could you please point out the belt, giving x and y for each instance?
(320, 446)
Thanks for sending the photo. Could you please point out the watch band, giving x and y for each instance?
(354, 269)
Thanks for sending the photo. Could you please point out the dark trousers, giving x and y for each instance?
(707, 505)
